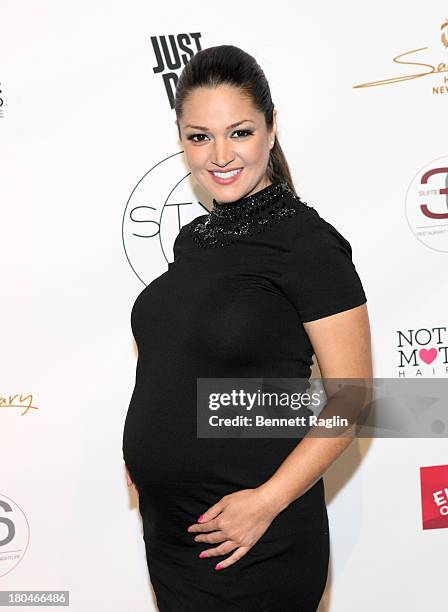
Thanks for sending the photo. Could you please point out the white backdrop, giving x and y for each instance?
(91, 175)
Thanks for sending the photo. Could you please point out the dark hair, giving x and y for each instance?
(229, 65)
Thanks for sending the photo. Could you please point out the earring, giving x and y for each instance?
(272, 142)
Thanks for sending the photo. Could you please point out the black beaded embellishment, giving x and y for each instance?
(248, 215)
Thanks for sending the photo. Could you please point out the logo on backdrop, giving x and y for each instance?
(2, 101)
(163, 199)
(422, 63)
(16, 402)
(426, 205)
(434, 492)
(423, 352)
(159, 205)
(172, 53)
(14, 534)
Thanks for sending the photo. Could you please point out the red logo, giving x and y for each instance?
(434, 489)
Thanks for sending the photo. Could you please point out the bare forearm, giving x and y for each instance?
(316, 452)
(302, 468)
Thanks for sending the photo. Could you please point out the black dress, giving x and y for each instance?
(244, 278)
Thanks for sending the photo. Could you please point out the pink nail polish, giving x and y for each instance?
(200, 518)
(218, 567)
(202, 554)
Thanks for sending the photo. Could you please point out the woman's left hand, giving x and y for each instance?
(238, 521)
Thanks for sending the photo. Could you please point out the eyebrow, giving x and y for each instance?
(201, 127)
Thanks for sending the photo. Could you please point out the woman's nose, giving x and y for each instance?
(223, 153)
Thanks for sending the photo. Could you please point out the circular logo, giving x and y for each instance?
(427, 205)
(14, 534)
(160, 204)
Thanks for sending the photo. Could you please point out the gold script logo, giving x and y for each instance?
(18, 401)
(425, 69)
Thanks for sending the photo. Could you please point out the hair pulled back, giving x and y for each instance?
(230, 65)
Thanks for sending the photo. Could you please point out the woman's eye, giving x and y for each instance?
(243, 133)
(193, 136)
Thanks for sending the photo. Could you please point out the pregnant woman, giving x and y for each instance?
(258, 285)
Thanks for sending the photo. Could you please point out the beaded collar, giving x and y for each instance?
(246, 216)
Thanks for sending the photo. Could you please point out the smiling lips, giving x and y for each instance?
(224, 178)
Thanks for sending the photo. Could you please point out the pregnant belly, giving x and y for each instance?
(160, 444)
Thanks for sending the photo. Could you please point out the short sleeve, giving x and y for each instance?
(321, 278)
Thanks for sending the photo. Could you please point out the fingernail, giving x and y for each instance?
(202, 554)
(217, 567)
(200, 518)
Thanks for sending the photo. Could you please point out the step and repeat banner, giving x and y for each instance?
(94, 189)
